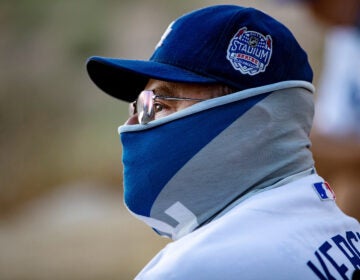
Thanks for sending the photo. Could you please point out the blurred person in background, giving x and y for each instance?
(216, 152)
(336, 136)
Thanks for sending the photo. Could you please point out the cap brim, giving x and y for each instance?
(124, 79)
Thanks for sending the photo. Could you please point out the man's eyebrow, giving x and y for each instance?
(165, 89)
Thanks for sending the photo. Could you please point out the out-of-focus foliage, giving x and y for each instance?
(49, 121)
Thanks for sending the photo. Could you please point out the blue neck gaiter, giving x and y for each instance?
(182, 170)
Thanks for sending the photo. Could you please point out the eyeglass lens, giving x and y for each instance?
(144, 106)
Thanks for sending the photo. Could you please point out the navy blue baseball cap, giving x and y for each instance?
(237, 46)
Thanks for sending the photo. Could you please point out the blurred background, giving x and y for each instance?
(61, 210)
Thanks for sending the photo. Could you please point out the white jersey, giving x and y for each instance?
(295, 231)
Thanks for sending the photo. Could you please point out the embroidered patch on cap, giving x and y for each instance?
(249, 51)
(324, 191)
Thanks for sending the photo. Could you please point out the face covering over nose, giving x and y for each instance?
(183, 170)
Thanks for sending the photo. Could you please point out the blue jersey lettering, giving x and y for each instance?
(333, 254)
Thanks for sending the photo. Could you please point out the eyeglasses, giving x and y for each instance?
(145, 105)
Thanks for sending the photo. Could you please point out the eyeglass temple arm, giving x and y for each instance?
(177, 98)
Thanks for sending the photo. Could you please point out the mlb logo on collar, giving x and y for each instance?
(324, 191)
